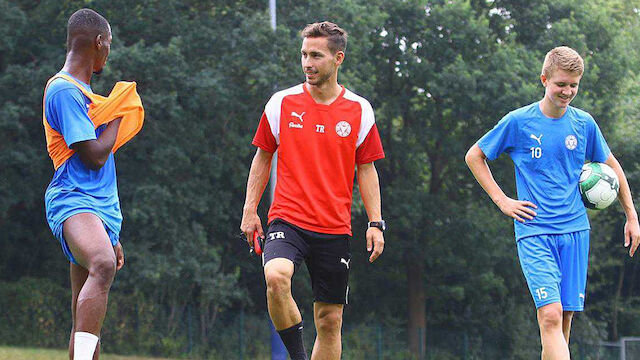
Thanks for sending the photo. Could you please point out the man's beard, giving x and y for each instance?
(320, 80)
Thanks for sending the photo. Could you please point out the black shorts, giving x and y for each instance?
(327, 257)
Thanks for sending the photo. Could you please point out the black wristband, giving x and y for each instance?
(382, 225)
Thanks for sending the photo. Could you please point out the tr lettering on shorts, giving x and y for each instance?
(276, 235)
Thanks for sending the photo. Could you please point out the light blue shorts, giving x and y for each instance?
(59, 234)
(555, 267)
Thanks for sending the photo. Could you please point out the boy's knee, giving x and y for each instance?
(550, 317)
(103, 268)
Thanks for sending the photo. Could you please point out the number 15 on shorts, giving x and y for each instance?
(542, 293)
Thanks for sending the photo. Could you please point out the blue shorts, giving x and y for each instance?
(58, 233)
(555, 267)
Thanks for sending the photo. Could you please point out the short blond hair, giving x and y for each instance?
(563, 58)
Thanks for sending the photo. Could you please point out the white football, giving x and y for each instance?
(598, 185)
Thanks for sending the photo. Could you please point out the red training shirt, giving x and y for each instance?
(318, 148)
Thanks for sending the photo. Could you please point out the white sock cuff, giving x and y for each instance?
(86, 335)
(84, 345)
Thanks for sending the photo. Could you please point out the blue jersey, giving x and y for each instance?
(75, 188)
(548, 155)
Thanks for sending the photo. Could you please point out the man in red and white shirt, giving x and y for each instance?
(322, 132)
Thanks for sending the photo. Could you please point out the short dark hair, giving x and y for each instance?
(336, 36)
(86, 23)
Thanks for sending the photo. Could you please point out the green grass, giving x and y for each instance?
(14, 353)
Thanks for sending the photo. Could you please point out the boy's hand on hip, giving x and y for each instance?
(517, 209)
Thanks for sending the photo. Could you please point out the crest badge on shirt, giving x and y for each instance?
(343, 129)
(571, 142)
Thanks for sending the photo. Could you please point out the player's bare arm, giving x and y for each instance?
(94, 153)
(256, 183)
(477, 162)
(370, 191)
(631, 227)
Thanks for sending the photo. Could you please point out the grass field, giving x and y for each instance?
(13, 353)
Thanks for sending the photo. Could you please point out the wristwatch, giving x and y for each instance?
(382, 225)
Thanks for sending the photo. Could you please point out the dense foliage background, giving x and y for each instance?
(438, 73)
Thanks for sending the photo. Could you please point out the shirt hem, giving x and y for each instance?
(57, 226)
(80, 139)
(318, 229)
(559, 232)
(371, 159)
(263, 147)
(490, 157)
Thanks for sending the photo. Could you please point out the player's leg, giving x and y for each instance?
(328, 319)
(567, 316)
(539, 258)
(283, 251)
(554, 345)
(329, 269)
(78, 276)
(282, 308)
(91, 247)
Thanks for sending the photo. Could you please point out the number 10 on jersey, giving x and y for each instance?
(536, 152)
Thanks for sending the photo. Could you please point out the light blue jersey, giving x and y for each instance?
(548, 155)
(75, 188)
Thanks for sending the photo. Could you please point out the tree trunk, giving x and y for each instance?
(204, 338)
(417, 314)
(616, 302)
